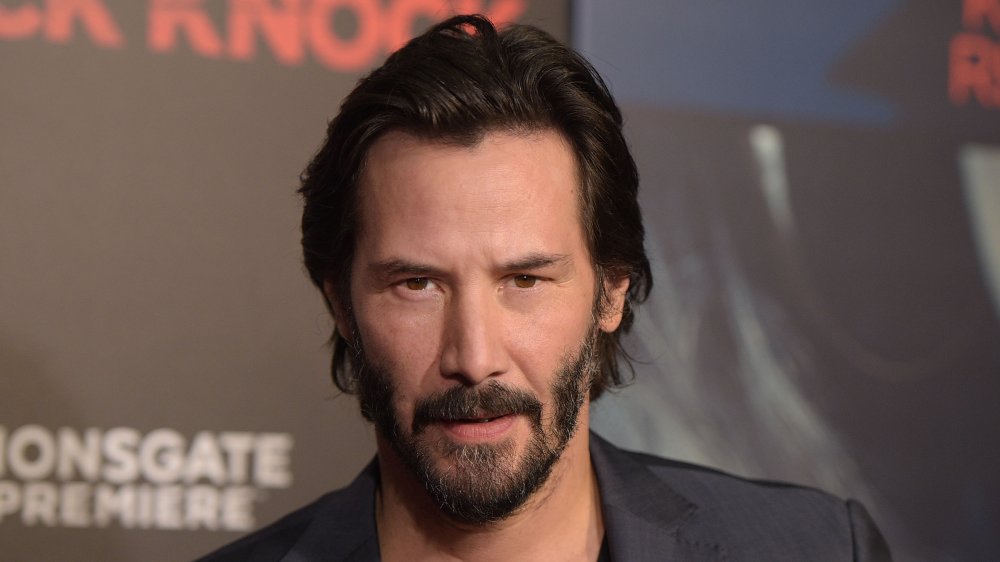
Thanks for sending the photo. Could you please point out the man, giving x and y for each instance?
(472, 222)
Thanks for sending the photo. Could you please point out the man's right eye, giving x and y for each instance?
(417, 283)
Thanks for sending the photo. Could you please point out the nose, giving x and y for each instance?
(473, 349)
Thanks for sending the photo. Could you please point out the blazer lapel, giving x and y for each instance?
(644, 518)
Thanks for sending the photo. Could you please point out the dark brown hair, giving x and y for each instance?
(453, 84)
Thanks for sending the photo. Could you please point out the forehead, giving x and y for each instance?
(509, 190)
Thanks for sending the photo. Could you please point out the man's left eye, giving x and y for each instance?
(417, 283)
(525, 281)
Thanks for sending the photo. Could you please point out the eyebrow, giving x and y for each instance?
(396, 267)
(537, 261)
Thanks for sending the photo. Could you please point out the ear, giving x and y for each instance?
(340, 317)
(615, 290)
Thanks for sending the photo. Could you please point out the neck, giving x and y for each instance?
(561, 521)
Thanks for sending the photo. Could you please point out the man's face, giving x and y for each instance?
(472, 299)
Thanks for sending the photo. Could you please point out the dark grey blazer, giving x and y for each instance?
(654, 510)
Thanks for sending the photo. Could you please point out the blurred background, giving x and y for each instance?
(821, 186)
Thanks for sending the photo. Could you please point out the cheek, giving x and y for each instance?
(542, 342)
(405, 346)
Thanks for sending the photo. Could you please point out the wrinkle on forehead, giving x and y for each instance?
(399, 144)
(484, 191)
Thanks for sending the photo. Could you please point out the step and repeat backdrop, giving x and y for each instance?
(164, 378)
(822, 192)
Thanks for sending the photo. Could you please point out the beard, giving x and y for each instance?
(481, 483)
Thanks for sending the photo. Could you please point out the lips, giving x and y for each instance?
(479, 418)
(479, 428)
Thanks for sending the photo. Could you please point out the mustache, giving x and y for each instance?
(464, 402)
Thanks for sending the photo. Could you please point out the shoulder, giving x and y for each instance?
(749, 519)
(330, 528)
(717, 491)
(273, 541)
